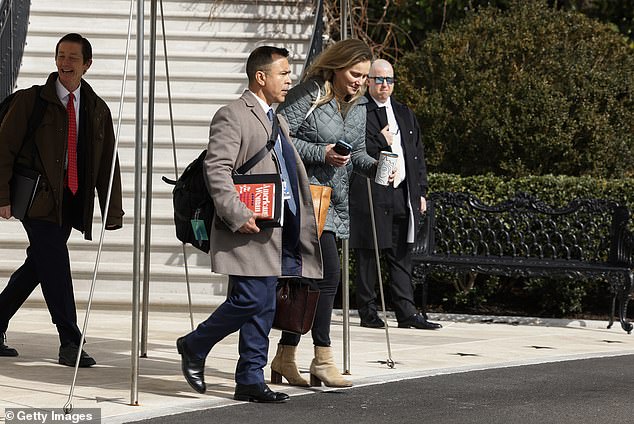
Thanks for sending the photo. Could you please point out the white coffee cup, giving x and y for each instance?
(387, 163)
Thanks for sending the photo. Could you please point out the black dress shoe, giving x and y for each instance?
(258, 393)
(372, 321)
(418, 321)
(4, 349)
(68, 356)
(193, 369)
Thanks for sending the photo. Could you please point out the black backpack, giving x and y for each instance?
(36, 115)
(192, 202)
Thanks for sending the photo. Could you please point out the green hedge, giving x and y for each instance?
(554, 190)
(527, 91)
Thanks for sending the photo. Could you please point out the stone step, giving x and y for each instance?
(178, 60)
(200, 7)
(225, 21)
(213, 41)
(118, 295)
(117, 277)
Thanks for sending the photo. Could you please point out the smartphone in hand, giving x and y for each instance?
(342, 148)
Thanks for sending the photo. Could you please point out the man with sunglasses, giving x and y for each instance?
(390, 126)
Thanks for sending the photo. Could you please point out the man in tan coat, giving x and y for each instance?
(252, 256)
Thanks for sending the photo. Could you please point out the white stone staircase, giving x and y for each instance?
(207, 45)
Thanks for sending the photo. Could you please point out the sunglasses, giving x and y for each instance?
(381, 80)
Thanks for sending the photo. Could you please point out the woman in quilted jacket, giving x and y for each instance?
(327, 106)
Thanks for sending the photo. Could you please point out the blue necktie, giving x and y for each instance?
(279, 152)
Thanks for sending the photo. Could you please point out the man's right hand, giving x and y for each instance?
(5, 211)
(249, 227)
(388, 135)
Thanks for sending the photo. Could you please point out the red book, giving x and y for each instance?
(259, 197)
(262, 193)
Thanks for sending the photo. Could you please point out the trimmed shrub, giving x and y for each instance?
(556, 190)
(527, 91)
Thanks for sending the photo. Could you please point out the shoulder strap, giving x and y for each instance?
(38, 113)
(35, 119)
(263, 151)
(314, 105)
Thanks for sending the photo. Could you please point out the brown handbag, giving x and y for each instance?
(321, 203)
(296, 303)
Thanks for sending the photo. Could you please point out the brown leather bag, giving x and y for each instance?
(296, 304)
(321, 203)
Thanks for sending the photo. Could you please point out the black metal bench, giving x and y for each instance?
(523, 237)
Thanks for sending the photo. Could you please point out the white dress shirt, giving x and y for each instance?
(62, 95)
(397, 147)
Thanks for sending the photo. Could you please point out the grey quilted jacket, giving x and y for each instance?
(325, 125)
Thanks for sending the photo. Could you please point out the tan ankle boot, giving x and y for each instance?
(283, 365)
(323, 368)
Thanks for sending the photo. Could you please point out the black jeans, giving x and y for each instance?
(328, 290)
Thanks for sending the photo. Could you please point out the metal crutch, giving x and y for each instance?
(389, 361)
(169, 98)
(68, 406)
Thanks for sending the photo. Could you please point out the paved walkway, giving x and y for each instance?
(465, 343)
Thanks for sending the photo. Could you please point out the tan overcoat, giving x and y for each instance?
(238, 131)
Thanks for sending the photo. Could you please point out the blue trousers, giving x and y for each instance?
(47, 263)
(250, 308)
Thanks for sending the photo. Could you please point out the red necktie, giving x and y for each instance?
(71, 172)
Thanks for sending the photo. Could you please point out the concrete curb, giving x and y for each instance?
(503, 319)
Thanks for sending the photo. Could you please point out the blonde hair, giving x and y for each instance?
(341, 55)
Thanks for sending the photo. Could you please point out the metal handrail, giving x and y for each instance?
(14, 21)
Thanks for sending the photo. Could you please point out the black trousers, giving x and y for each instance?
(47, 263)
(328, 290)
(399, 262)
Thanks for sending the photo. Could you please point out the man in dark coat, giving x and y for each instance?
(73, 150)
(392, 127)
